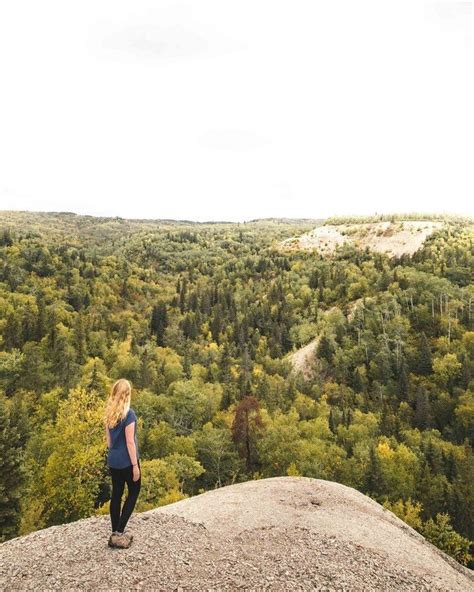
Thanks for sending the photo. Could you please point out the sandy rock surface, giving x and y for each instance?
(284, 533)
(302, 359)
(394, 238)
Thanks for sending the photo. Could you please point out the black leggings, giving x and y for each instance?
(119, 477)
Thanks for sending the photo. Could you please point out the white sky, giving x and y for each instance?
(219, 110)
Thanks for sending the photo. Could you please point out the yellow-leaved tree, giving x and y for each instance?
(72, 473)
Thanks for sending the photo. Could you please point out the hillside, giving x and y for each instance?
(282, 533)
(402, 237)
(203, 319)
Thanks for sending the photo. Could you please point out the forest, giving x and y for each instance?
(202, 319)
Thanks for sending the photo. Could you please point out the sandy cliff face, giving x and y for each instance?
(394, 238)
(284, 533)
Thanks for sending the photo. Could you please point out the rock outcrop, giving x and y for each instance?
(283, 533)
(404, 237)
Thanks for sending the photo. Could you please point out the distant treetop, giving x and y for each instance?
(398, 218)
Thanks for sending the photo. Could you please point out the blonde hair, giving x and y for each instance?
(118, 403)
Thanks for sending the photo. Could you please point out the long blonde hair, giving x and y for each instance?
(118, 403)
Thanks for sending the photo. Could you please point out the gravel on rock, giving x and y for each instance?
(171, 552)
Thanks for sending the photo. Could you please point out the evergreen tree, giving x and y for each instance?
(11, 474)
(325, 349)
(6, 239)
(462, 507)
(425, 366)
(245, 373)
(388, 421)
(403, 384)
(182, 294)
(12, 332)
(159, 322)
(217, 324)
(422, 418)
(373, 477)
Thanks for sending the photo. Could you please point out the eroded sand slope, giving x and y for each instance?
(394, 238)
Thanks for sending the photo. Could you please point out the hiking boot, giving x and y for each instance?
(120, 541)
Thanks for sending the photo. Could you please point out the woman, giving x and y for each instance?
(122, 459)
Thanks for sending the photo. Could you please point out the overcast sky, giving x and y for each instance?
(219, 110)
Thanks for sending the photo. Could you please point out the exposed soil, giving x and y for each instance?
(394, 238)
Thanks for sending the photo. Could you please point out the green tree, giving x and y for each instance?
(325, 349)
(160, 485)
(374, 478)
(217, 454)
(446, 369)
(425, 364)
(423, 417)
(187, 469)
(159, 322)
(12, 474)
(73, 469)
(440, 532)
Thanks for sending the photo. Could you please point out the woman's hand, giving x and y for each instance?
(136, 473)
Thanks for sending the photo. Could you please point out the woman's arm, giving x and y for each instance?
(130, 440)
(107, 436)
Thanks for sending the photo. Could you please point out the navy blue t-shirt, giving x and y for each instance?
(118, 457)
